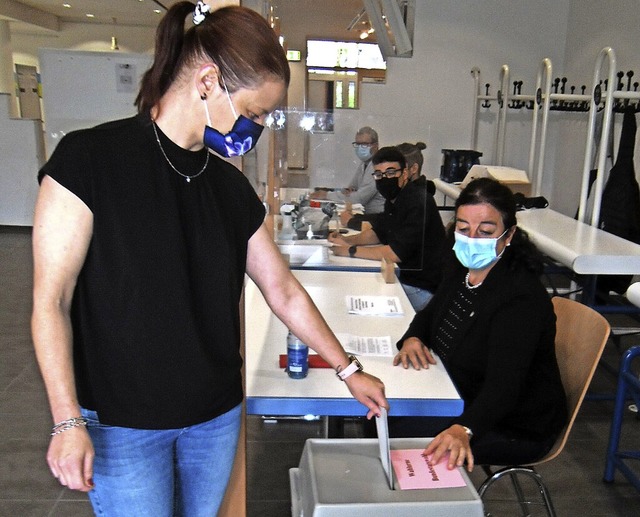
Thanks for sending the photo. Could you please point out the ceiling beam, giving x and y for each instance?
(21, 12)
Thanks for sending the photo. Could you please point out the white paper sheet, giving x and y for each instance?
(382, 428)
(367, 345)
(374, 305)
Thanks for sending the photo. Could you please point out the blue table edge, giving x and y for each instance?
(287, 406)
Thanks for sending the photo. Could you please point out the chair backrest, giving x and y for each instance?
(581, 334)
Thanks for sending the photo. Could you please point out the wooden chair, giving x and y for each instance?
(581, 334)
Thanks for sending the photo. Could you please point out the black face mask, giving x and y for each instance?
(388, 188)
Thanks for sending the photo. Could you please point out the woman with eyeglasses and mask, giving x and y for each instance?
(142, 238)
(492, 325)
(409, 232)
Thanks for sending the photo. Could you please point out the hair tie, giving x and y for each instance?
(200, 13)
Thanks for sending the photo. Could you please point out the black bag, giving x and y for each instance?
(620, 208)
(456, 164)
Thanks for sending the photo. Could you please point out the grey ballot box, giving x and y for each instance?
(345, 477)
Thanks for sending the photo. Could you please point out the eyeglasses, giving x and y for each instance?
(389, 173)
(363, 144)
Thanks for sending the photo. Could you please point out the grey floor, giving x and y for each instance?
(274, 446)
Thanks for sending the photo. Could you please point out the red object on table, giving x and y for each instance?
(315, 361)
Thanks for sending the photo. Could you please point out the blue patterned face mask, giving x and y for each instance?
(240, 140)
(474, 253)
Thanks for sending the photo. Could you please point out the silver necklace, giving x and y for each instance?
(468, 285)
(185, 176)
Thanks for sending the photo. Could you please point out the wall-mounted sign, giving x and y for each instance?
(293, 55)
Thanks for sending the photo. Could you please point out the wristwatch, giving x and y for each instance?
(352, 251)
(468, 431)
(354, 366)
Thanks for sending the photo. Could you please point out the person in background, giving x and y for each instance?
(140, 254)
(492, 325)
(413, 154)
(362, 187)
(409, 232)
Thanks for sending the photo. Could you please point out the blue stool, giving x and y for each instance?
(628, 386)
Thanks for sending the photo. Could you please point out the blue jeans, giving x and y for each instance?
(164, 473)
(418, 297)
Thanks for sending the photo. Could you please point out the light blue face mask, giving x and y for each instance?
(364, 152)
(474, 253)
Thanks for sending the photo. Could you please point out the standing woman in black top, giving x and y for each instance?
(492, 325)
(142, 238)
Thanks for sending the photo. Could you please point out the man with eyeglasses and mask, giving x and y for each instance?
(362, 187)
(409, 232)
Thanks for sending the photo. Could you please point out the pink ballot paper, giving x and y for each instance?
(414, 471)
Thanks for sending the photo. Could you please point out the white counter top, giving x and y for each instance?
(270, 391)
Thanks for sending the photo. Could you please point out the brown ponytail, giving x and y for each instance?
(237, 39)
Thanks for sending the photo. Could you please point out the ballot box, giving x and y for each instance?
(347, 477)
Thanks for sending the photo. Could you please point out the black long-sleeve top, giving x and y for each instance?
(503, 362)
(413, 228)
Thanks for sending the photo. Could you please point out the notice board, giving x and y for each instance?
(82, 89)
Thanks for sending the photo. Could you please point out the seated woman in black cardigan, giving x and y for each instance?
(492, 325)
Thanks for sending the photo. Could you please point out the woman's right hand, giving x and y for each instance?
(369, 391)
(70, 458)
(414, 352)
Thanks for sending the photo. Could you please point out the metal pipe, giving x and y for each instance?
(546, 68)
(475, 72)
(608, 53)
(501, 124)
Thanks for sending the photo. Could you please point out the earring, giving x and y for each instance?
(203, 97)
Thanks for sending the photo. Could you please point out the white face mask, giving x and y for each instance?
(476, 253)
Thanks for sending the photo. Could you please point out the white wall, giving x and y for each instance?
(429, 96)
(81, 36)
(22, 152)
(593, 25)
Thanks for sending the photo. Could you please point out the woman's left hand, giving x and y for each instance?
(455, 441)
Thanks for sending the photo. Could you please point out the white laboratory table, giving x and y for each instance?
(269, 390)
(583, 248)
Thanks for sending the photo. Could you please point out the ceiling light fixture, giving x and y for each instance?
(114, 40)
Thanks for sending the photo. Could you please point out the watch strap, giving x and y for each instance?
(354, 366)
